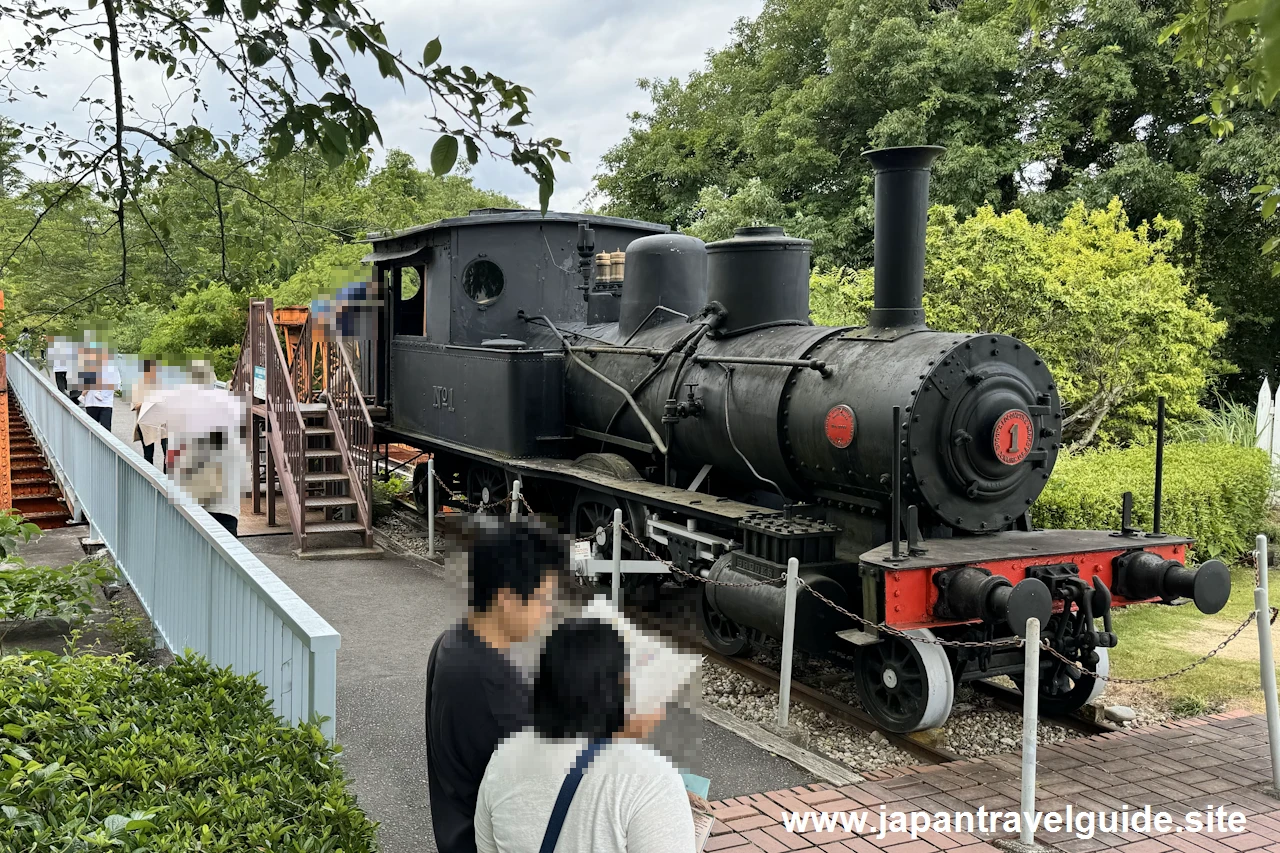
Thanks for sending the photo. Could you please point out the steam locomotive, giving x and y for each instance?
(613, 364)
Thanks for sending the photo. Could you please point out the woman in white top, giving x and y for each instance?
(147, 434)
(630, 799)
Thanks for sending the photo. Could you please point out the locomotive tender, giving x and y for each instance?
(686, 385)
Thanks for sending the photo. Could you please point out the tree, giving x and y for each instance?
(1087, 105)
(1101, 302)
(208, 322)
(802, 90)
(285, 67)
(250, 248)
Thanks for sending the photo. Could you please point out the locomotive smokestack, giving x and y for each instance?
(902, 210)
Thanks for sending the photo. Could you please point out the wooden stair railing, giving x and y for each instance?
(286, 431)
(323, 451)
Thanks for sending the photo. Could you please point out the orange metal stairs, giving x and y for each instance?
(34, 489)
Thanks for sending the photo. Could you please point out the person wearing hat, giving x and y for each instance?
(579, 776)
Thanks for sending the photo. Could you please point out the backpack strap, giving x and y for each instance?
(567, 790)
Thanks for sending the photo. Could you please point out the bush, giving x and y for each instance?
(29, 593)
(385, 493)
(1214, 492)
(206, 322)
(103, 753)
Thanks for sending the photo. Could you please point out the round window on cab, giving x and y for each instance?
(482, 280)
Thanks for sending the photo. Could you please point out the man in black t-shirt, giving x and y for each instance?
(476, 696)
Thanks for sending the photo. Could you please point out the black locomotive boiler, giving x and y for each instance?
(612, 364)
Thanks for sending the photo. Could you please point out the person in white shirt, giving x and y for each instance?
(62, 358)
(580, 776)
(149, 436)
(99, 380)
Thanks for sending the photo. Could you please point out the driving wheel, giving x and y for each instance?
(1065, 689)
(722, 633)
(907, 686)
(420, 491)
(487, 489)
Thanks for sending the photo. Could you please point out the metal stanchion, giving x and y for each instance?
(431, 506)
(617, 558)
(788, 643)
(1266, 660)
(1030, 714)
(515, 500)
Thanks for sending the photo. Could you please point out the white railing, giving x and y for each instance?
(203, 590)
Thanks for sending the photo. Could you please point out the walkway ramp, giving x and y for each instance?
(201, 588)
(311, 433)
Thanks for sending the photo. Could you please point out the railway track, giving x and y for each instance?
(832, 707)
(1011, 700)
(835, 708)
(857, 718)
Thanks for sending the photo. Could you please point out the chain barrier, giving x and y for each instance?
(1115, 679)
(1004, 643)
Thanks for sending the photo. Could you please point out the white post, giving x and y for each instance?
(788, 643)
(515, 500)
(617, 558)
(1266, 660)
(1030, 714)
(431, 506)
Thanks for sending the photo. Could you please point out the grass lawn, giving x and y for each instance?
(1156, 639)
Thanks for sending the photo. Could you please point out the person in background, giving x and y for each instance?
(62, 358)
(579, 774)
(99, 380)
(476, 696)
(345, 314)
(148, 435)
(208, 458)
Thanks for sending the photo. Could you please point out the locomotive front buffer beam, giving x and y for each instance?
(968, 590)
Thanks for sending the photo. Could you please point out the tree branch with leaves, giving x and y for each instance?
(287, 68)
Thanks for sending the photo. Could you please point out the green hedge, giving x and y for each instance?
(1214, 492)
(102, 753)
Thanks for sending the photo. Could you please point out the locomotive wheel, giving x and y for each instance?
(593, 513)
(725, 636)
(488, 487)
(1065, 689)
(420, 491)
(906, 686)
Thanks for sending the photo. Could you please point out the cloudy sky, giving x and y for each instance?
(580, 57)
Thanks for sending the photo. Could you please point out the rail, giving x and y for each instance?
(203, 590)
(354, 435)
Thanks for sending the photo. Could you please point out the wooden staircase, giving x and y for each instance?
(34, 489)
(312, 434)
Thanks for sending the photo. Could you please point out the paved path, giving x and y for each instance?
(1181, 767)
(389, 613)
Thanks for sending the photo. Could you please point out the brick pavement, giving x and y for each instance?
(1177, 767)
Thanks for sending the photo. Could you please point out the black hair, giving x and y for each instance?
(512, 555)
(580, 689)
(148, 364)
